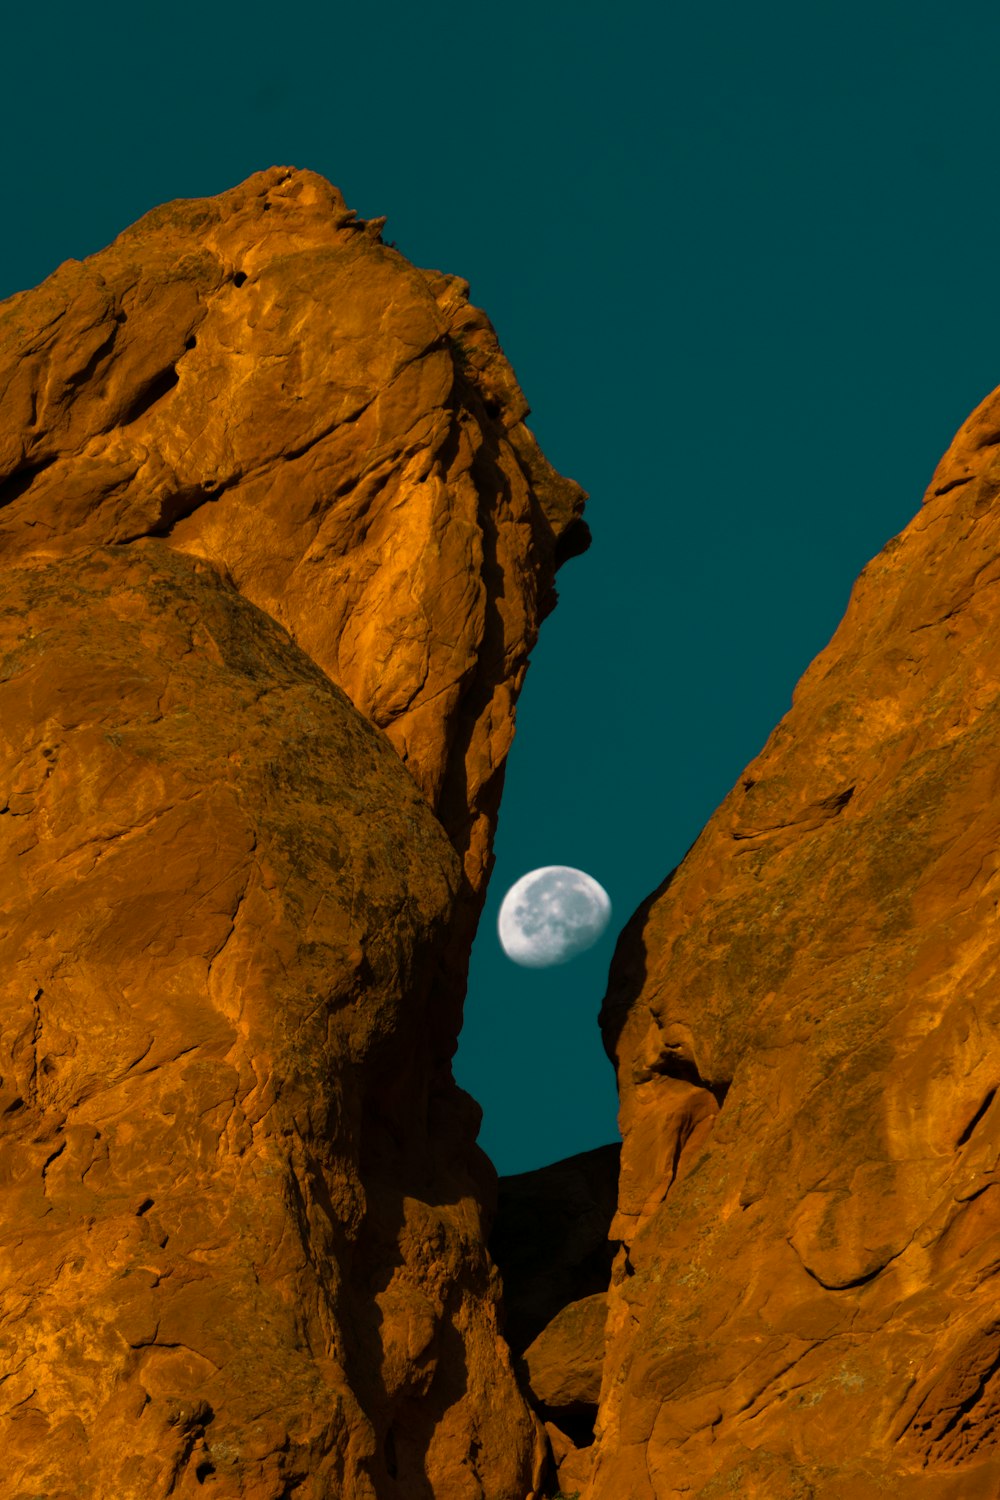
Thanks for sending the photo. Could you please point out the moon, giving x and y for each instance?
(552, 914)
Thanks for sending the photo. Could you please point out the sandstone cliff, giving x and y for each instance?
(805, 1019)
(274, 546)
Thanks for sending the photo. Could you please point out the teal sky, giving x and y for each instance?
(744, 262)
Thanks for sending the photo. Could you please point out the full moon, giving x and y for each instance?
(552, 914)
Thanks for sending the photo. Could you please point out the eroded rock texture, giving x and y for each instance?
(274, 545)
(806, 1023)
(257, 377)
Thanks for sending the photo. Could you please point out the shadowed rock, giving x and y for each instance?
(550, 1243)
(550, 1238)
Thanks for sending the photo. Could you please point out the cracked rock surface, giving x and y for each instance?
(274, 546)
(805, 1019)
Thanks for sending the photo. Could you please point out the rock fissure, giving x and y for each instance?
(966, 1134)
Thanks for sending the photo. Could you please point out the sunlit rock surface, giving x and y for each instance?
(806, 1023)
(260, 379)
(274, 545)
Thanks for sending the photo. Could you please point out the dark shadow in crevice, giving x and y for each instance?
(550, 1239)
(389, 1454)
(16, 484)
(148, 394)
(577, 1421)
(100, 354)
(967, 1132)
(173, 508)
(673, 1063)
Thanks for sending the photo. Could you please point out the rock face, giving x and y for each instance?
(564, 1362)
(274, 545)
(259, 379)
(805, 1020)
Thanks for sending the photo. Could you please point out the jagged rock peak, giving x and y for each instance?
(257, 378)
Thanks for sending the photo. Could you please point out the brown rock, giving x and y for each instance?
(258, 378)
(572, 1464)
(805, 1020)
(564, 1361)
(275, 543)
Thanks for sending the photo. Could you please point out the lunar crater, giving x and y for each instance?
(552, 914)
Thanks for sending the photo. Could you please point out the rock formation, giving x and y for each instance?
(805, 1019)
(274, 546)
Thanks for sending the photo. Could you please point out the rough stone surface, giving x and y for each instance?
(259, 378)
(806, 1024)
(564, 1362)
(274, 544)
(572, 1464)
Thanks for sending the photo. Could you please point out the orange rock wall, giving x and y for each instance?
(805, 1019)
(274, 546)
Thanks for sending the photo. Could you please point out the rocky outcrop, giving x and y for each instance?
(564, 1361)
(258, 378)
(805, 1022)
(563, 1367)
(274, 545)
